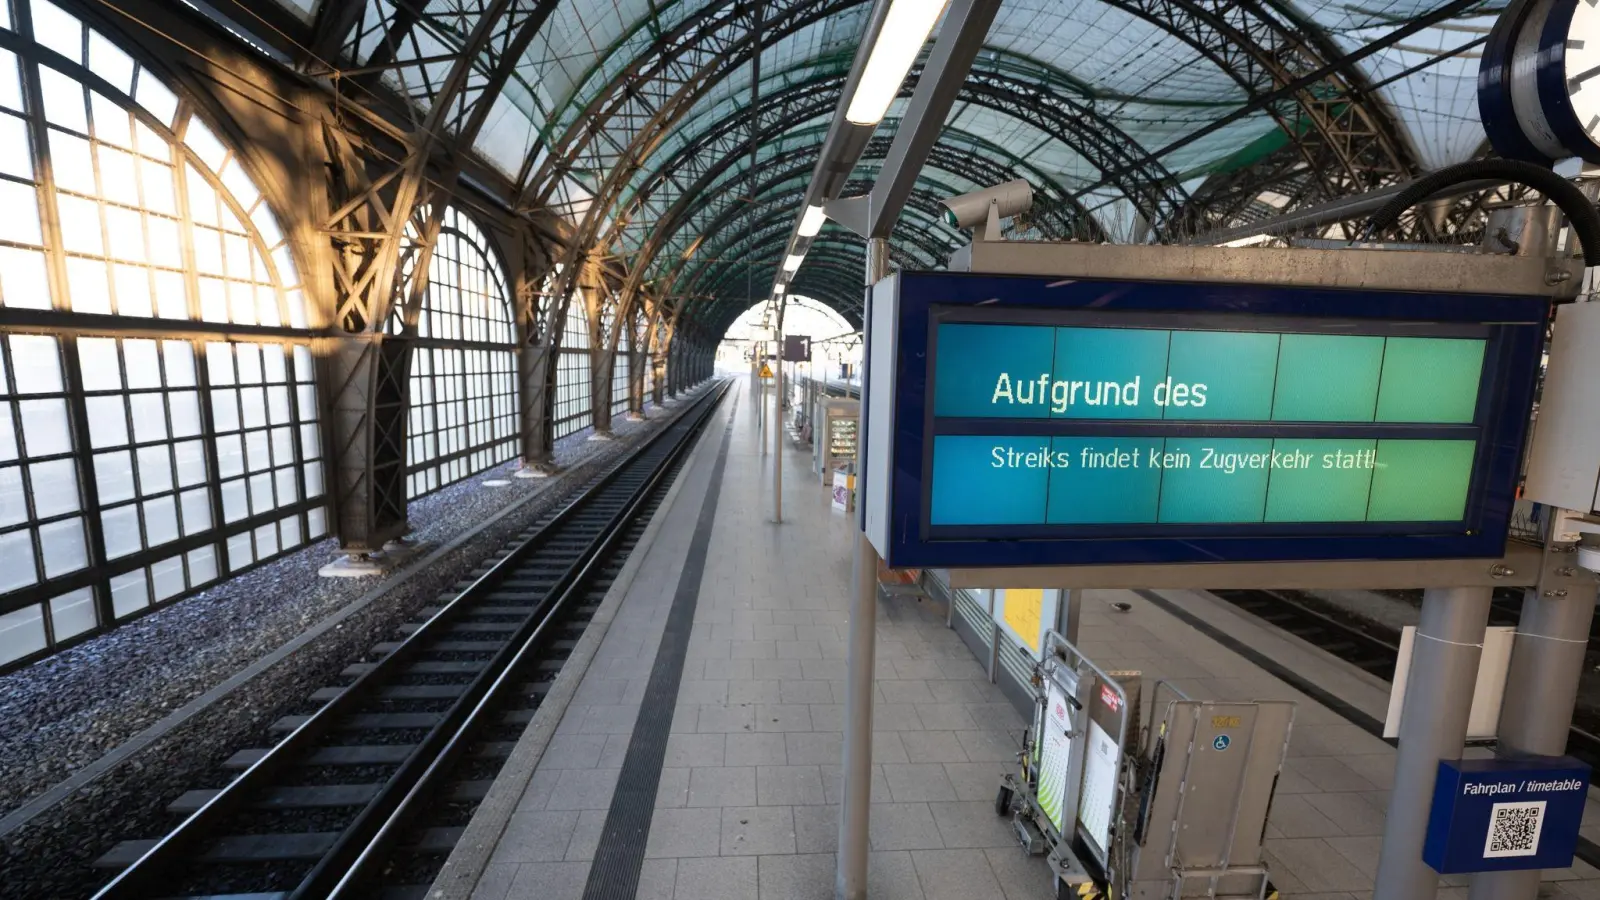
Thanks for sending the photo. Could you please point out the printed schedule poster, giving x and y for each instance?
(1057, 753)
(1039, 425)
(1098, 801)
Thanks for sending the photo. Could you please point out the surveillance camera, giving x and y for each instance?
(970, 210)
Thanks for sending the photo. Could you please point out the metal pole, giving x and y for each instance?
(851, 881)
(761, 401)
(1068, 613)
(1542, 686)
(777, 433)
(1433, 727)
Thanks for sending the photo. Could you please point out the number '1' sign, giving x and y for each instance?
(1045, 422)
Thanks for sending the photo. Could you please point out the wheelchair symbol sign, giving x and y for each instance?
(1221, 743)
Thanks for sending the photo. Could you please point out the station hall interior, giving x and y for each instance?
(799, 449)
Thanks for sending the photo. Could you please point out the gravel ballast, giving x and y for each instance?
(65, 712)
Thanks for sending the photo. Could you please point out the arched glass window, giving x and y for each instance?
(463, 416)
(573, 407)
(156, 379)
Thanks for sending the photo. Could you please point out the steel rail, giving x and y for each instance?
(155, 867)
(1581, 743)
(519, 650)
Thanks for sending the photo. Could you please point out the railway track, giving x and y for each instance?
(1374, 649)
(367, 792)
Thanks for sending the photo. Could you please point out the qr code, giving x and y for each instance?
(1514, 829)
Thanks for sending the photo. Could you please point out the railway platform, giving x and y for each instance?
(691, 746)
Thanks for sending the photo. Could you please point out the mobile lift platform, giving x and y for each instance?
(1182, 817)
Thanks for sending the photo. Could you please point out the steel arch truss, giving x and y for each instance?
(719, 149)
(1347, 138)
(372, 199)
(699, 173)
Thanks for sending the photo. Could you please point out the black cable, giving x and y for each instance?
(1579, 211)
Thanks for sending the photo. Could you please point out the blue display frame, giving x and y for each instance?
(1515, 329)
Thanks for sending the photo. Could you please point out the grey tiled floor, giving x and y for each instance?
(747, 804)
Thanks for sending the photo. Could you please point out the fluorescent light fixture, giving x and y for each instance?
(792, 264)
(811, 222)
(905, 30)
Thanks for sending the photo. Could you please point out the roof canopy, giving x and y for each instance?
(678, 136)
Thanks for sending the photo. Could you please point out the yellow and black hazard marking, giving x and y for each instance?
(1090, 891)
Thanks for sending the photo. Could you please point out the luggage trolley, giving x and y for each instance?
(1182, 817)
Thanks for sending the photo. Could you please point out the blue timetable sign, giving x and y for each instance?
(1049, 422)
(1492, 815)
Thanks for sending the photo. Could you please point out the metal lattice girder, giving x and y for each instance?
(664, 221)
(1248, 41)
(1256, 48)
(836, 282)
(727, 280)
(756, 231)
(640, 103)
(617, 130)
(720, 147)
(981, 171)
(1155, 192)
(783, 182)
(966, 157)
(1235, 197)
(754, 255)
(1340, 128)
(373, 203)
(749, 238)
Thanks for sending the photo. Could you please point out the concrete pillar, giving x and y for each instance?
(1433, 727)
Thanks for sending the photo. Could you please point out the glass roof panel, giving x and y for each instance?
(305, 9)
(1114, 72)
(1108, 51)
(1431, 83)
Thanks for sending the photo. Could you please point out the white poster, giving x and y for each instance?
(1056, 754)
(1099, 786)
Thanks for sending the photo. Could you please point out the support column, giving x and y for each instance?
(661, 363)
(854, 812)
(777, 431)
(1546, 662)
(534, 370)
(637, 360)
(368, 373)
(1433, 727)
(601, 368)
(674, 367)
(1068, 611)
(761, 402)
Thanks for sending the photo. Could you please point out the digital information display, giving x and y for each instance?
(1042, 422)
(1392, 458)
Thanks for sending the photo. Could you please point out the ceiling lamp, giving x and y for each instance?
(811, 222)
(905, 30)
